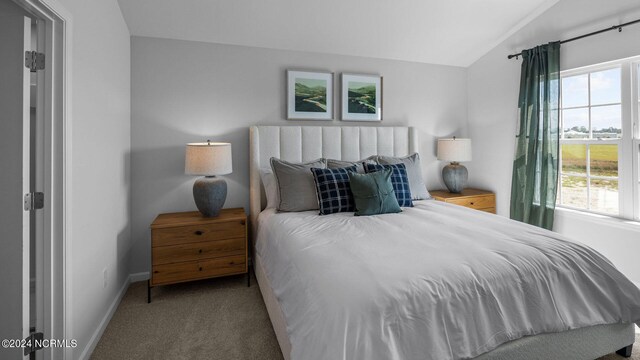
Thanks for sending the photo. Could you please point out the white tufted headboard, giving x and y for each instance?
(305, 143)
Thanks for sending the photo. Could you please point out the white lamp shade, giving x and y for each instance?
(455, 149)
(208, 159)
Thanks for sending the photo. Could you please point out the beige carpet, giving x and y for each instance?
(210, 319)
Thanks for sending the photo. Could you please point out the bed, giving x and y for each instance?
(277, 260)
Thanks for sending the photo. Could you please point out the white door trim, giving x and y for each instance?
(57, 178)
(26, 183)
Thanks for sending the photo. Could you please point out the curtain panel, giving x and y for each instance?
(535, 168)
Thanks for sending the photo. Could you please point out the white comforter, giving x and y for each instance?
(436, 281)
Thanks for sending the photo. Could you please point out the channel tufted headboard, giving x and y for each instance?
(305, 143)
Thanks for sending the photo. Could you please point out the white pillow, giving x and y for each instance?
(270, 187)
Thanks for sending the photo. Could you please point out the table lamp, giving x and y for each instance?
(208, 160)
(455, 150)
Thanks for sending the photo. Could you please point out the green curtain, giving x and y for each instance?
(535, 168)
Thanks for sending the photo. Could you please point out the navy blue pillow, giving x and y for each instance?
(399, 180)
(333, 190)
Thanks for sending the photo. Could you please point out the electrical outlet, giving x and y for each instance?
(104, 276)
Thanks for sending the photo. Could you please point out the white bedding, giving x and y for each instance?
(437, 281)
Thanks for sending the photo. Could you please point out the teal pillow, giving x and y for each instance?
(373, 193)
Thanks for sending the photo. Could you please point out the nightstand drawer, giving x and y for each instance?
(187, 246)
(198, 233)
(198, 251)
(480, 202)
(193, 270)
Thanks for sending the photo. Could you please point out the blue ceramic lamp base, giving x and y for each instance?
(209, 193)
(455, 177)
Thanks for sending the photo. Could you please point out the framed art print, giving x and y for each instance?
(361, 97)
(309, 95)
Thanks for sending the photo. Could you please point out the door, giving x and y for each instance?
(15, 124)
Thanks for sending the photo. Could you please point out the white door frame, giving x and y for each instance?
(57, 171)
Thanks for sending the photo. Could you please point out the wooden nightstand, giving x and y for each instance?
(187, 246)
(472, 198)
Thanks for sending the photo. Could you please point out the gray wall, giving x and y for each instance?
(100, 179)
(493, 90)
(185, 91)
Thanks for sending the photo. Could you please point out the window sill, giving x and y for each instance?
(623, 224)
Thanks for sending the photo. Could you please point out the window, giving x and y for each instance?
(599, 147)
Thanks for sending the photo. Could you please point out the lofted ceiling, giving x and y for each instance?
(449, 32)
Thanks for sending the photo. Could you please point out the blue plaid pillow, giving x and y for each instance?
(399, 180)
(333, 190)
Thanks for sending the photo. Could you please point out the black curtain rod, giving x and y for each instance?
(619, 27)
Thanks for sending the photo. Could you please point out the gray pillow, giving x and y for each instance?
(337, 164)
(414, 173)
(296, 188)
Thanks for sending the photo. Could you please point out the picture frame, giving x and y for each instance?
(309, 95)
(361, 97)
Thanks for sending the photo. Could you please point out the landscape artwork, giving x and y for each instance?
(361, 97)
(309, 95)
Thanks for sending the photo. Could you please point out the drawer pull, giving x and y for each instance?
(200, 251)
(198, 232)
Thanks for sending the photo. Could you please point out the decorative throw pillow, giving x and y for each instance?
(414, 173)
(373, 193)
(296, 189)
(399, 181)
(336, 164)
(332, 189)
(270, 187)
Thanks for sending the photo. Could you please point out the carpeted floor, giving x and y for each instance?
(209, 319)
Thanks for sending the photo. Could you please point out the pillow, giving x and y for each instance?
(336, 164)
(414, 173)
(332, 189)
(399, 181)
(373, 193)
(270, 187)
(296, 189)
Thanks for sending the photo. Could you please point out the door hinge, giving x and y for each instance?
(33, 201)
(34, 60)
(33, 343)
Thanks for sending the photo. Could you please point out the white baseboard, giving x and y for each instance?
(637, 328)
(93, 342)
(141, 276)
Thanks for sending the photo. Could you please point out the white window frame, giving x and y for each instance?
(628, 145)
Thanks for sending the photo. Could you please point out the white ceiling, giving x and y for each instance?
(449, 32)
